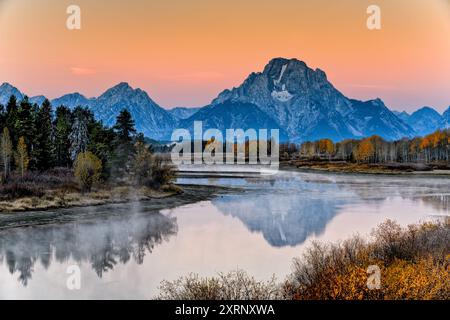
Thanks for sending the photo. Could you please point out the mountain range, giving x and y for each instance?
(150, 119)
(182, 112)
(425, 120)
(286, 95)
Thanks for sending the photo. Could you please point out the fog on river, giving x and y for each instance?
(260, 228)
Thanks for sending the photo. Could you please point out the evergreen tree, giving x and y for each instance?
(123, 150)
(11, 117)
(101, 144)
(125, 127)
(79, 137)
(25, 124)
(42, 151)
(2, 117)
(63, 127)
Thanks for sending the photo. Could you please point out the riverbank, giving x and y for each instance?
(190, 194)
(59, 198)
(363, 168)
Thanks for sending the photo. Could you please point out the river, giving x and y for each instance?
(260, 227)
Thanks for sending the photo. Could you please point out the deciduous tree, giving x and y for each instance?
(21, 157)
(88, 169)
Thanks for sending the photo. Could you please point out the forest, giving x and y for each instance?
(42, 148)
(432, 148)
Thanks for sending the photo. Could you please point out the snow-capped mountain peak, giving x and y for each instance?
(303, 102)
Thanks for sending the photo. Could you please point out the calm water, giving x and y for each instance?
(259, 229)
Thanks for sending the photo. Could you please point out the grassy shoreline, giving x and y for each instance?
(190, 194)
(360, 168)
(57, 199)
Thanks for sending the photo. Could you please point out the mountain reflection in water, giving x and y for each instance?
(259, 227)
(287, 209)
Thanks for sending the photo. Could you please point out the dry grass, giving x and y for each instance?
(348, 167)
(236, 285)
(54, 199)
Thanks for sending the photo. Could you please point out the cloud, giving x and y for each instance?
(79, 71)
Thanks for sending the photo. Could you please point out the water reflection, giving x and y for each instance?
(290, 207)
(102, 244)
(289, 217)
(281, 212)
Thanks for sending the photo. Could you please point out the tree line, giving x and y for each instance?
(434, 147)
(36, 138)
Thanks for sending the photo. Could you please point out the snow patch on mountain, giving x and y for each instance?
(282, 95)
(283, 69)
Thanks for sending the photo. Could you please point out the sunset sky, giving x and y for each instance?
(184, 52)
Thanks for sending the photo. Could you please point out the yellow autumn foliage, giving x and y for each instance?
(414, 263)
(87, 169)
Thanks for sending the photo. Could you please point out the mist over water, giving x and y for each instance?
(260, 228)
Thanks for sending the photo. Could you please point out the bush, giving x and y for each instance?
(236, 285)
(162, 173)
(34, 184)
(16, 190)
(414, 264)
(88, 169)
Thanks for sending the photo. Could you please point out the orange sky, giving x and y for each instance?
(184, 52)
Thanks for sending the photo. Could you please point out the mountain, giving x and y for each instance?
(72, 100)
(150, 119)
(426, 120)
(303, 102)
(37, 100)
(287, 95)
(446, 118)
(182, 112)
(403, 115)
(233, 115)
(6, 91)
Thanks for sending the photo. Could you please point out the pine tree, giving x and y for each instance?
(6, 151)
(21, 157)
(2, 117)
(125, 127)
(79, 137)
(63, 127)
(25, 123)
(11, 117)
(42, 151)
(101, 143)
(122, 156)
